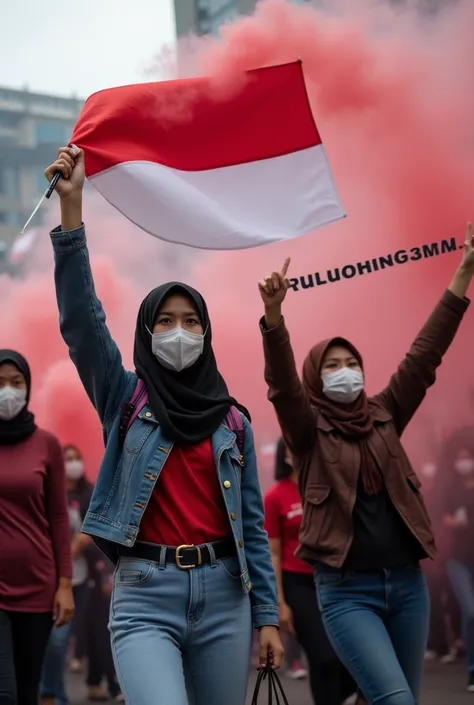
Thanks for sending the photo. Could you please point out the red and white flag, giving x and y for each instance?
(215, 173)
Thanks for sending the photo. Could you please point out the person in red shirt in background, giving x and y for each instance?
(299, 614)
(35, 551)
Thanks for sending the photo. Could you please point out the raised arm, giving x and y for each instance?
(417, 372)
(285, 390)
(81, 316)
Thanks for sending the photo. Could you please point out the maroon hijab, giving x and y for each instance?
(354, 421)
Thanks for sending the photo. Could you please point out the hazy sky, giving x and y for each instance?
(64, 47)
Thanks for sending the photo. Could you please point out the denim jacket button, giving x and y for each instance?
(227, 484)
(241, 543)
(233, 516)
(148, 414)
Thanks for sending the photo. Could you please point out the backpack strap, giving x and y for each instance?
(235, 423)
(132, 408)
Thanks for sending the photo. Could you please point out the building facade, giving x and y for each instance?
(206, 16)
(32, 128)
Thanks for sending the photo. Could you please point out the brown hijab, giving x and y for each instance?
(354, 421)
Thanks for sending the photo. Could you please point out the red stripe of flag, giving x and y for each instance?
(181, 124)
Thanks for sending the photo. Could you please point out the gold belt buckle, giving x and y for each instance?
(179, 557)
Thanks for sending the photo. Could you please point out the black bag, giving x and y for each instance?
(276, 694)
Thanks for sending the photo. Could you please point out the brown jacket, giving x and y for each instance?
(328, 464)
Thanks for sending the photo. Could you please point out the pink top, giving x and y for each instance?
(35, 541)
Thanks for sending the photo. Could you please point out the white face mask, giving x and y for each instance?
(464, 466)
(12, 401)
(344, 385)
(177, 349)
(74, 469)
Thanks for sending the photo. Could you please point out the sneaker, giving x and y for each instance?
(470, 683)
(297, 671)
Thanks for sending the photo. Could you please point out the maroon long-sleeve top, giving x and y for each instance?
(35, 540)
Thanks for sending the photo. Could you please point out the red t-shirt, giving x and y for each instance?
(186, 506)
(35, 539)
(283, 512)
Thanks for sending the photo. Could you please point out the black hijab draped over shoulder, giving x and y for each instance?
(23, 425)
(191, 404)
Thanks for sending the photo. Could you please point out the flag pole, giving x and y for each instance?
(52, 185)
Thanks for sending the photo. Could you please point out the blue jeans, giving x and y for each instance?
(378, 625)
(462, 583)
(54, 664)
(181, 633)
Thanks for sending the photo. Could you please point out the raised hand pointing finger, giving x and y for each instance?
(273, 288)
(468, 240)
(284, 269)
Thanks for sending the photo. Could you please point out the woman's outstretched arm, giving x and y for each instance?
(81, 316)
(417, 371)
(285, 390)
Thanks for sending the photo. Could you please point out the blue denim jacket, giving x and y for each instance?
(127, 476)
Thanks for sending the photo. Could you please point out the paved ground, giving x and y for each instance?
(443, 685)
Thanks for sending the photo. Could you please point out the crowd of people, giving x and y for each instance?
(174, 551)
(449, 483)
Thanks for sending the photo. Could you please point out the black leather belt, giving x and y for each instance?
(185, 557)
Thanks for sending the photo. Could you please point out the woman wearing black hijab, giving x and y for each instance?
(35, 558)
(177, 504)
(189, 402)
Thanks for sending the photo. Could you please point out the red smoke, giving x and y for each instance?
(127, 263)
(392, 95)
